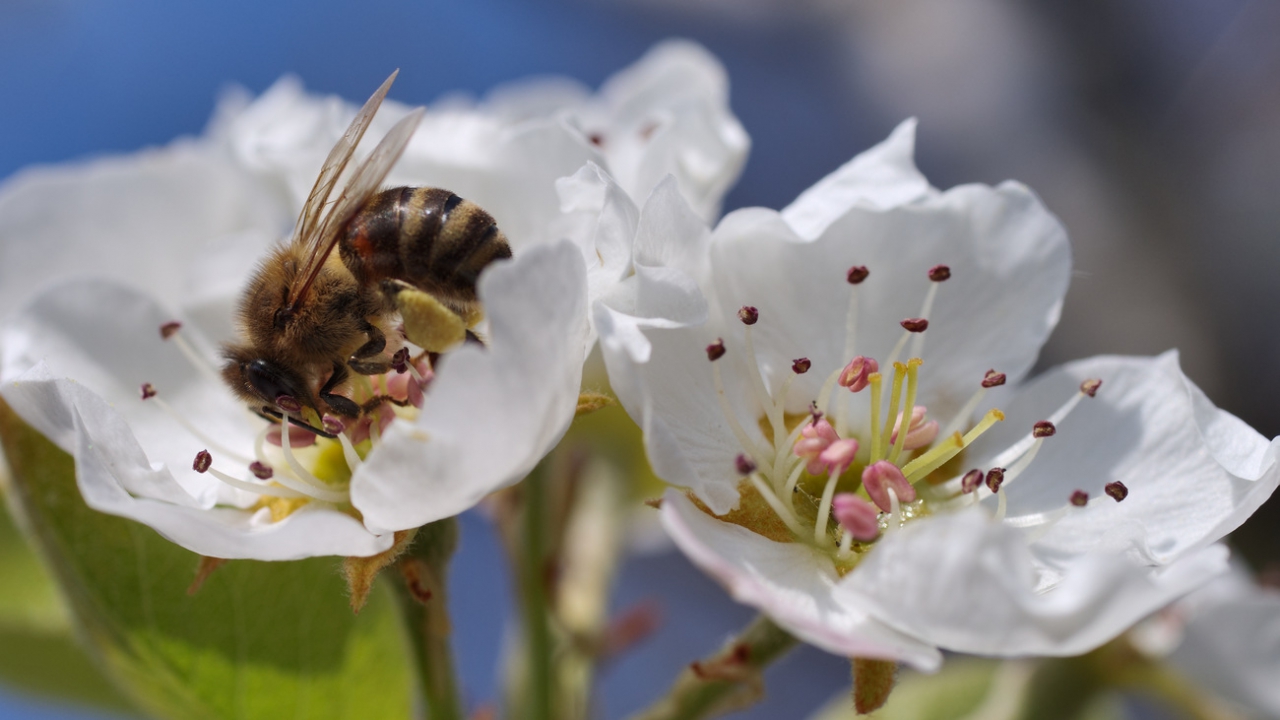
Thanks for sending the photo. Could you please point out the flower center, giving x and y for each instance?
(841, 489)
(292, 466)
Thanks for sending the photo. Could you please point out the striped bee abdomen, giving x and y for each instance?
(427, 237)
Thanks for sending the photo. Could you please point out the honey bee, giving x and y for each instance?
(308, 318)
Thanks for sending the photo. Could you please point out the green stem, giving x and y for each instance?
(537, 629)
(423, 596)
(725, 680)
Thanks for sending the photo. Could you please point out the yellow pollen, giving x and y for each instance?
(280, 508)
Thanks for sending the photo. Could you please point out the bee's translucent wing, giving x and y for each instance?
(362, 186)
(309, 220)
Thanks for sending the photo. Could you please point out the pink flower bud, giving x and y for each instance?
(857, 516)
(854, 375)
(882, 475)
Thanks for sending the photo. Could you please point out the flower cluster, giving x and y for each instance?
(109, 342)
(863, 462)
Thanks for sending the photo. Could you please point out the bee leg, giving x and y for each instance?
(338, 404)
(376, 366)
(377, 342)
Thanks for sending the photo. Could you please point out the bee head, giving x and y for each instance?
(262, 381)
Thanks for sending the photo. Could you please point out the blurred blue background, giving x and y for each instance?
(1152, 127)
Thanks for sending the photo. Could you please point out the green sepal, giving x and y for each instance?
(259, 640)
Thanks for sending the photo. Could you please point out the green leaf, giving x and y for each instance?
(260, 640)
(40, 655)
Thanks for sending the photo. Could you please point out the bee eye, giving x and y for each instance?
(271, 384)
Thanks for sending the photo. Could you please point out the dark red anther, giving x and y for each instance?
(168, 329)
(596, 139)
(744, 464)
(400, 360)
(992, 379)
(333, 425)
(288, 403)
(800, 366)
(814, 412)
(715, 350)
(203, 461)
(915, 325)
(748, 315)
(995, 478)
(148, 391)
(857, 274)
(1079, 498)
(939, 273)
(261, 470)
(970, 481)
(1090, 387)
(1043, 429)
(1116, 490)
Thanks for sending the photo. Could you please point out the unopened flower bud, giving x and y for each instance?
(748, 315)
(879, 477)
(855, 374)
(857, 516)
(202, 462)
(1116, 490)
(715, 350)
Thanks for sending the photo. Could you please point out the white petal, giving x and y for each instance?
(105, 337)
(882, 177)
(1009, 261)
(1231, 643)
(969, 584)
(115, 476)
(151, 220)
(492, 413)
(791, 583)
(663, 379)
(669, 114)
(1194, 472)
(601, 220)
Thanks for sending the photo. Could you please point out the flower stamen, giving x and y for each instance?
(908, 408)
(149, 394)
(169, 331)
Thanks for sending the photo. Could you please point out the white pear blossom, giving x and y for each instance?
(98, 257)
(1225, 638)
(834, 384)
